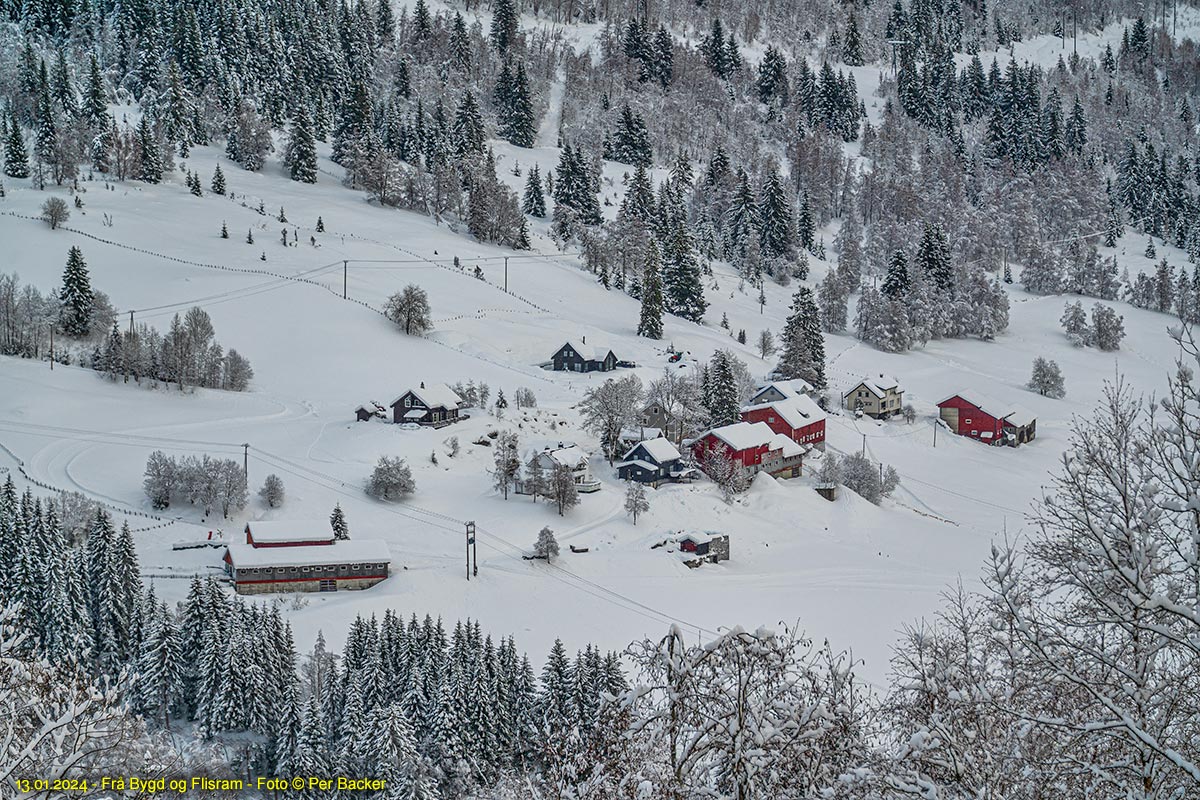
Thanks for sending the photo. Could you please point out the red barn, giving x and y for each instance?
(797, 417)
(987, 420)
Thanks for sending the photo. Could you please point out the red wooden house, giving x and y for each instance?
(797, 417)
(987, 420)
(753, 446)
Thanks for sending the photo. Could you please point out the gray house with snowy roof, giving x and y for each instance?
(582, 357)
(436, 405)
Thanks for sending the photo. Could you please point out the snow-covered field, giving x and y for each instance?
(847, 571)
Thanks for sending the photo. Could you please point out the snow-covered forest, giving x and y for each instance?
(728, 194)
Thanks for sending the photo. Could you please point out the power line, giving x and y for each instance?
(559, 573)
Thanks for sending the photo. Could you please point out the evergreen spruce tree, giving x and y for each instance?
(722, 402)
(682, 280)
(776, 225)
(895, 285)
(806, 228)
(933, 258)
(218, 181)
(150, 165)
(650, 323)
(77, 297)
(533, 202)
(469, 133)
(16, 157)
(852, 45)
(517, 120)
(337, 521)
(504, 25)
(803, 353)
(300, 157)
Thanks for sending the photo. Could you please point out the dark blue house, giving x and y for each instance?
(581, 357)
(652, 461)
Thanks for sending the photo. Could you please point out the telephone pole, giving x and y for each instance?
(472, 551)
(345, 264)
(51, 346)
(506, 274)
(131, 323)
(246, 464)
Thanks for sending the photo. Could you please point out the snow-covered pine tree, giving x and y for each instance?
(803, 346)
(77, 297)
(337, 521)
(300, 156)
(895, 285)
(16, 156)
(533, 202)
(150, 164)
(650, 323)
(776, 223)
(682, 281)
(723, 403)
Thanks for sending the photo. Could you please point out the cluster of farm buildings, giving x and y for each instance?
(778, 426)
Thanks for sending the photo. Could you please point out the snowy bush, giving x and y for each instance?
(272, 491)
(409, 309)
(635, 500)
(1075, 324)
(1047, 379)
(1108, 327)
(870, 481)
(391, 479)
(55, 212)
(546, 545)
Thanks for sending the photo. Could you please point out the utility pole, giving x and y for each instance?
(472, 551)
(246, 464)
(935, 433)
(52, 347)
(345, 264)
(864, 447)
(506, 274)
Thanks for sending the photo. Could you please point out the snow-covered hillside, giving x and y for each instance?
(848, 571)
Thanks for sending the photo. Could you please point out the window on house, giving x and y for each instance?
(408, 402)
(328, 585)
(967, 421)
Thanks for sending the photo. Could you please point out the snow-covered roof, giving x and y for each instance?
(640, 434)
(281, 530)
(434, 395)
(660, 449)
(596, 351)
(696, 537)
(348, 551)
(1020, 417)
(416, 413)
(879, 385)
(797, 410)
(788, 388)
(790, 447)
(637, 462)
(988, 405)
(743, 435)
(571, 455)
